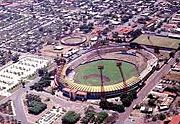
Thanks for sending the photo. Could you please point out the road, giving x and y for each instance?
(17, 101)
(150, 83)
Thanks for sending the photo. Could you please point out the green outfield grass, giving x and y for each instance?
(158, 41)
(111, 72)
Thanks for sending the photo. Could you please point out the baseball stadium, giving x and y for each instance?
(109, 70)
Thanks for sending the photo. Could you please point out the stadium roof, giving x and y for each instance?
(85, 88)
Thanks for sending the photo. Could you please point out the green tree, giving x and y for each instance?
(154, 118)
(151, 102)
(171, 54)
(89, 117)
(123, 95)
(150, 96)
(126, 102)
(23, 83)
(106, 105)
(101, 117)
(177, 60)
(36, 107)
(162, 116)
(71, 117)
(120, 108)
(133, 93)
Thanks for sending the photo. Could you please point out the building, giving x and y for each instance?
(175, 119)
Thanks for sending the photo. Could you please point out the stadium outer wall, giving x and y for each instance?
(74, 93)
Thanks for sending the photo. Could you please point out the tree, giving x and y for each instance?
(105, 104)
(151, 102)
(123, 95)
(135, 45)
(130, 97)
(52, 91)
(171, 89)
(126, 102)
(71, 117)
(162, 116)
(133, 93)
(23, 83)
(154, 118)
(177, 60)
(15, 58)
(165, 61)
(89, 117)
(36, 107)
(171, 54)
(115, 35)
(34, 104)
(41, 72)
(101, 117)
(178, 47)
(120, 108)
(111, 119)
(150, 96)
(156, 50)
(31, 97)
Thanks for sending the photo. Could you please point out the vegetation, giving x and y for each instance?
(6, 108)
(92, 117)
(151, 102)
(36, 107)
(45, 80)
(126, 102)
(89, 117)
(171, 89)
(70, 117)
(41, 72)
(127, 98)
(150, 96)
(15, 58)
(156, 50)
(40, 85)
(154, 118)
(172, 54)
(119, 108)
(133, 93)
(34, 104)
(177, 60)
(86, 28)
(101, 117)
(111, 119)
(162, 116)
(110, 106)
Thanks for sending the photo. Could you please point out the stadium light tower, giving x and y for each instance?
(101, 67)
(119, 64)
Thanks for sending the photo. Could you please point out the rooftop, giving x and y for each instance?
(159, 41)
(175, 119)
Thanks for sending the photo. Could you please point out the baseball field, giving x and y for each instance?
(88, 74)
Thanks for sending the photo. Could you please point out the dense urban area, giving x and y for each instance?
(89, 61)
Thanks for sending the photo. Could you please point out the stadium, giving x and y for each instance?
(123, 69)
(73, 40)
